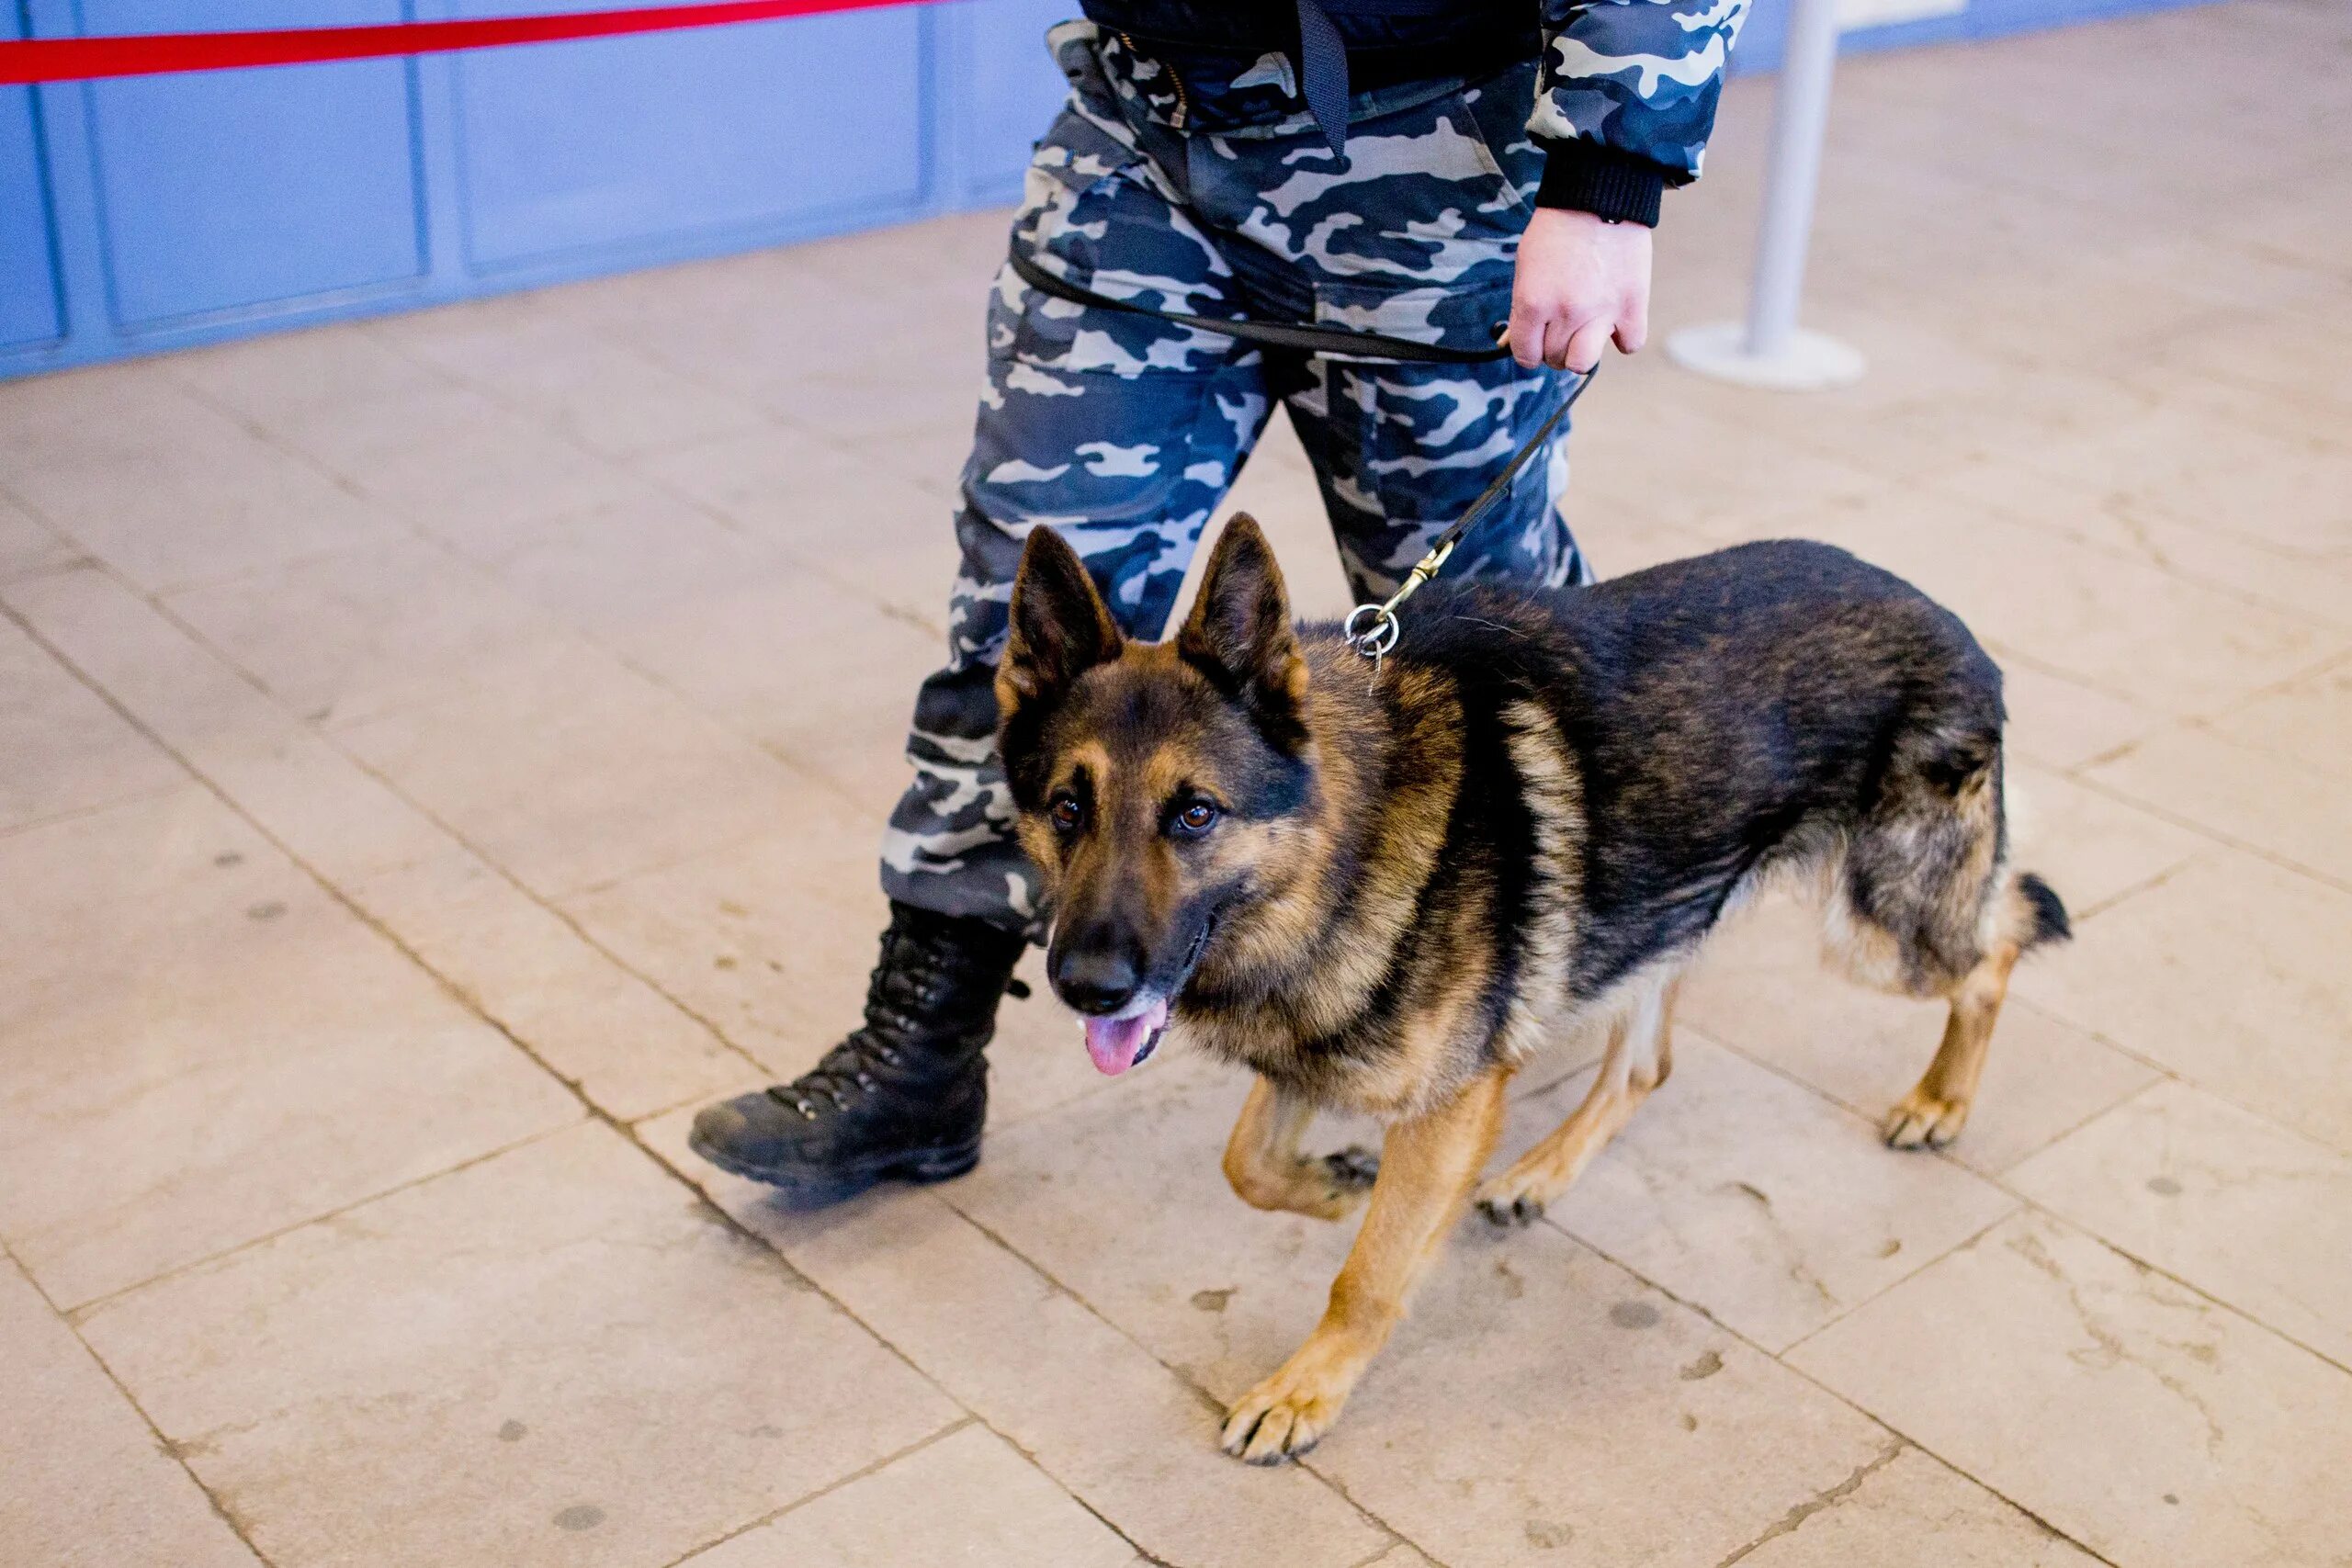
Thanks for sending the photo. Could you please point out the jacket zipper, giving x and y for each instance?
(1183, 105)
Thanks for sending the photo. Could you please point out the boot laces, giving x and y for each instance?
(840, 1076)
(915, 969)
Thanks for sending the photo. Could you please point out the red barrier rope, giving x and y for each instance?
(85, 59)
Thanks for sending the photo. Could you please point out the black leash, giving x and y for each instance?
(1375, 637)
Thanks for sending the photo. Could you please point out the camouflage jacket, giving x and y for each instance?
(1628, 96)
(1627, 93)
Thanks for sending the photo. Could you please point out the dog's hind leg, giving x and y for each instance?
(1640, 1055)
(1932, 1115)
(2027, 916)
(1426, 1168)
(1266, 1170)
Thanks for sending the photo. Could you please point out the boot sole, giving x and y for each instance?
(821, 1188)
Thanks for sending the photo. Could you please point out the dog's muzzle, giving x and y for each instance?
(1121, 1040)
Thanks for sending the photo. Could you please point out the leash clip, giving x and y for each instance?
(1373, 629)
(1373, 640)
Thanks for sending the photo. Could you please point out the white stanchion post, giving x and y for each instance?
(1769, 349)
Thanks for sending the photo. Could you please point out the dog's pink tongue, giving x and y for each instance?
(1113, 1042)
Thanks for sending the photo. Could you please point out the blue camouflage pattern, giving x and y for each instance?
(1640, 77)
(1124, 432)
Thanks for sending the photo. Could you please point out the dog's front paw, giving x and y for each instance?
(1287, 1413)
(1509, 1201)
(1333, 1186)
(1353, 1168)
(1924, 1121)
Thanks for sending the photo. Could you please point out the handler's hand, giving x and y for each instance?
(1580, 282)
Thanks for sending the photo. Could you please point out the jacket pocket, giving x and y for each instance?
(1496, 111)
(1096, 212)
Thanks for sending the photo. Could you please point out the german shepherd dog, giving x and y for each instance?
(1378, 887)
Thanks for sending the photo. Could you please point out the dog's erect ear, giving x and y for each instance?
(1239, 633)
(1061, 628)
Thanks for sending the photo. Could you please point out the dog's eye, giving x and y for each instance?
(1065, 813)
(1197, 817)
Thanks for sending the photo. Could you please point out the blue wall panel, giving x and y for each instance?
(149, 214)
(27, 264)
(227, 189)
(27, 273)
(1013, 89)
(761, 128)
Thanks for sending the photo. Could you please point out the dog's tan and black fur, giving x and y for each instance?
(1380, 891)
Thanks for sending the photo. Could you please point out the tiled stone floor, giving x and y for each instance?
(437, 753)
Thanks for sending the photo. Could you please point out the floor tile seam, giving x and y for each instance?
(303, 458)
(2202, 1086)
(2024, 1203)
(1780, 1361)
(836, 1484)
(1920, 1265)
(79, 558)
(538, 419)
(601, 332)
(88, 557)
(2220, 838)
(833, 1299)
(1874, 1118)
(2006, 652)
(2153, 557)
(2078, 918)
(143, 797)
(365, 918)
(2029, 1206)
(800, 768)
(163, 1445)
(2149, 1266)
(1183, 1379)
(2206, 718)
(83, 1311)
(350, 899)
(818, 562)
(1030, 1456)
(550, 905)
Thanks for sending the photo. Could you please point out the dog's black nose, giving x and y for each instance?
(1096, 977)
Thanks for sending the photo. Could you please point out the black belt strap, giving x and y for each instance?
(1273, 335)
(1323, 72)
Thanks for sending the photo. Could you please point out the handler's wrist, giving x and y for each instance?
(1588, 177)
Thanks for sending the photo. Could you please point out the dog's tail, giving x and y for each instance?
(2046, 922)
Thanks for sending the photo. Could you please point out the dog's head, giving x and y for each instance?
(1157, 782)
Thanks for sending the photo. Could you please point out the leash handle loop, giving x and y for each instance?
(1374, 347)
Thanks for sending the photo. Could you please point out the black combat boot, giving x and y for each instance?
(902, 1099)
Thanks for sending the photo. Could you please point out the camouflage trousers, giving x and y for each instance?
(1124, 432)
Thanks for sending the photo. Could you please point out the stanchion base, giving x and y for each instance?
(1808, 362)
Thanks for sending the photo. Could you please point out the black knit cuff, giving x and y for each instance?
(1589, 177)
